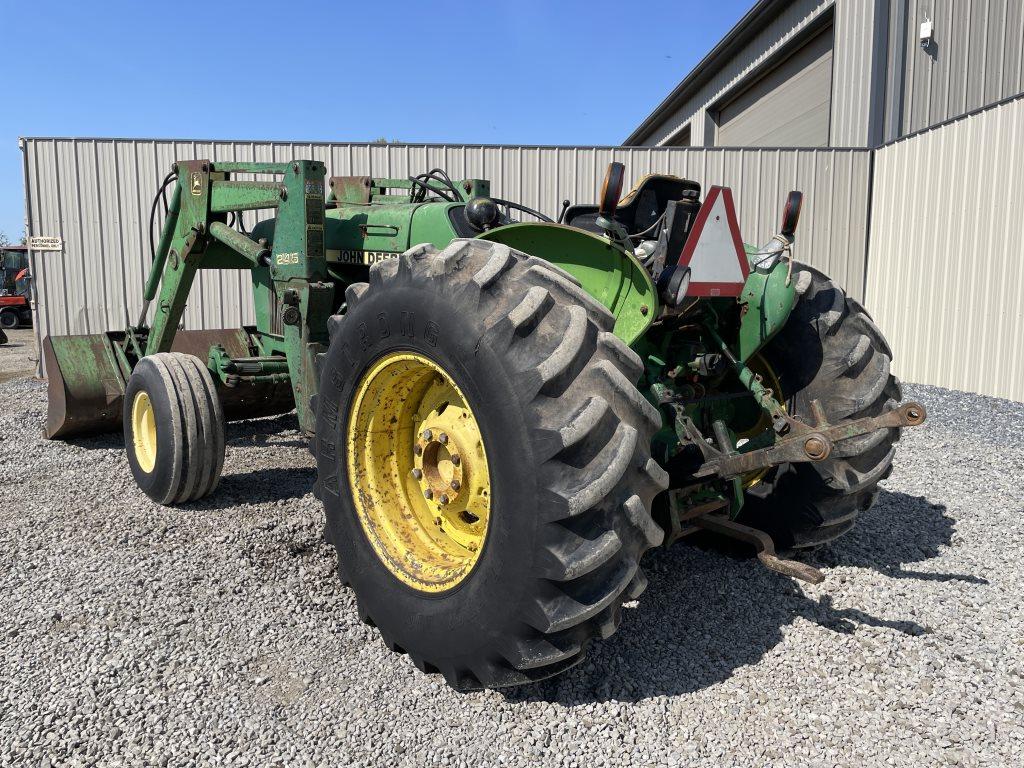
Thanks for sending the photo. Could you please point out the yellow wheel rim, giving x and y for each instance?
(760, 366)
(144, 432)
(418, 472)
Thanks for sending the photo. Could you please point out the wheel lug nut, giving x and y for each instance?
(427, 434)
(443, 438)
(418, 450)
(437, 521)
(417, 473)
(456, 485)
(444, 498)
(428, 494)
(456, 459)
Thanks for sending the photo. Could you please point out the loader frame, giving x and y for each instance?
(294, 269)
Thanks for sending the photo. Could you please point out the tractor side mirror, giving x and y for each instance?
(611, 190)
(791, 213)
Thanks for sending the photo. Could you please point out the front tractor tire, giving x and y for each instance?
(830, 350)
(483, 459)
(173, 428)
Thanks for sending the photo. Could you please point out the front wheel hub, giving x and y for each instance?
(418, 471)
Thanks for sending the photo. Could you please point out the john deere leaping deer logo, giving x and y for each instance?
(196, 183)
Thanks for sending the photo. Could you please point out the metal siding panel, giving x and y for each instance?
(975, 61)
(46, 220)
(787, 107)
(785, 27)
(859, 66)
(1012, 48)
(111, 232)
(944, 269)
(130, 241)
(107, 242)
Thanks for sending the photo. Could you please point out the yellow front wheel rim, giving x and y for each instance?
(418, 472)
(144, 432)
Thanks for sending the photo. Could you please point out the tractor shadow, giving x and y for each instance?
(711, 609)
(102, 442)
(269, 484)
(260, 486)
(279, 431)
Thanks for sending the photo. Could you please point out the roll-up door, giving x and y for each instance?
(788, 107)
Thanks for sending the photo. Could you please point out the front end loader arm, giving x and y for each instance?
(259, 372)
(196, 236)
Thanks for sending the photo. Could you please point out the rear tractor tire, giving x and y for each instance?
(484, 461)
(173, 428)
(832, 351)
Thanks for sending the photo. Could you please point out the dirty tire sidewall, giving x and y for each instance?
(511, 620)
(482, 599)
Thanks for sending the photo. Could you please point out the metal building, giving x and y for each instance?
(902, 121)
(94, 196)
(933, 88)
(843, 73)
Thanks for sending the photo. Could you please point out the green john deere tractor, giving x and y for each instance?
(505, 415)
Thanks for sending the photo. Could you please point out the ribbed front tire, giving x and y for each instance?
(567, 437)
(183, 457)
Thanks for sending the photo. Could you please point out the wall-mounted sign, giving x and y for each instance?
(43, 243)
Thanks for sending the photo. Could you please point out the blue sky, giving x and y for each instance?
(527, 72)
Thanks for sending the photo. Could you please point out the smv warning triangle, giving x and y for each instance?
(713, 251)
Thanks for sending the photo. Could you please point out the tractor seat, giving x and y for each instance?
(640, 208)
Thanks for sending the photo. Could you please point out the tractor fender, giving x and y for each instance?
(768, 298)
(611, 275)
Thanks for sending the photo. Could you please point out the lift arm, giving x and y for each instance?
(196, 236)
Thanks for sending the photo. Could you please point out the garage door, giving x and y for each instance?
(788, 107)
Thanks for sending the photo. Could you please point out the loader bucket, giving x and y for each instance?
(86, 383)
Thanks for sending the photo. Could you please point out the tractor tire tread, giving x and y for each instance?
(195, 426)
(213, 425)
(590, 429)
(836, 352)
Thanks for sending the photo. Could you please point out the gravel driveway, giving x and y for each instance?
(217, 633)
(18, 356)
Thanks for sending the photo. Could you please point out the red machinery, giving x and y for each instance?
(14, 306)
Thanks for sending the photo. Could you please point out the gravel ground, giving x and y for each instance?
(18, 355)
(216, 633)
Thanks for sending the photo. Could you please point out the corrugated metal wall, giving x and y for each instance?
(976, 59)
(945, 271)
(858, 72)
(782, 30)
(96, 195)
